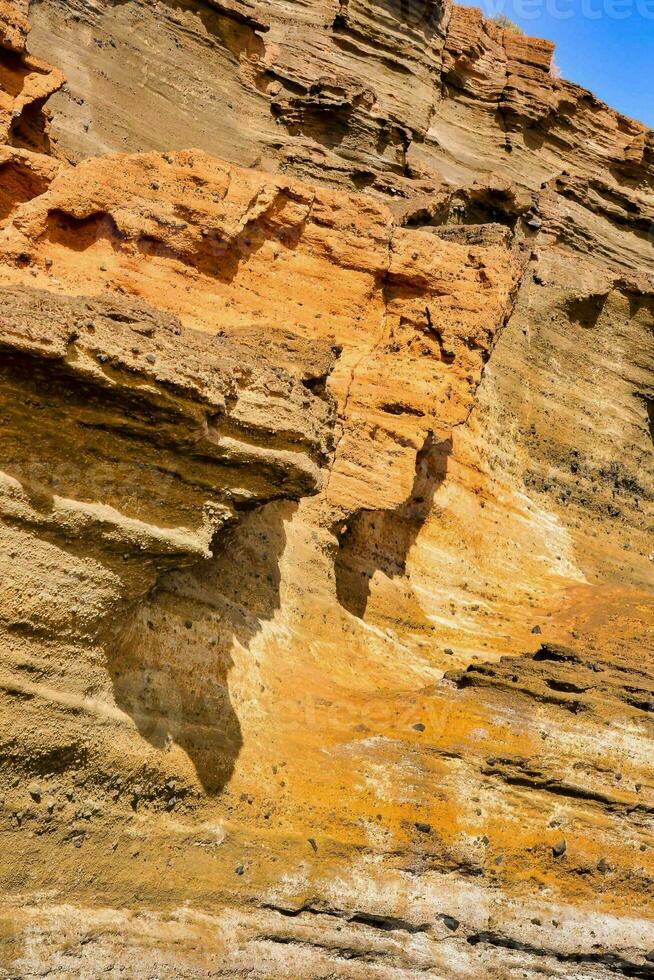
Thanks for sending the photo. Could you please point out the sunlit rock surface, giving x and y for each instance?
(325, 496)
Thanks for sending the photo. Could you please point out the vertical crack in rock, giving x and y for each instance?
(381, 540)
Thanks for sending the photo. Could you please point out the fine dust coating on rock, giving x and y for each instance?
(325, 496)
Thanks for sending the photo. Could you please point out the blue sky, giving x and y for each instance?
(605, 45)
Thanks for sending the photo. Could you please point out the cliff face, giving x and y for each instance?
(325, 496)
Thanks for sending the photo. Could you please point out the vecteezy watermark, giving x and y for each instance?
(429, 13)
(533, 10)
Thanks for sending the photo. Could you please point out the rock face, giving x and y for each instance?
(325, 497)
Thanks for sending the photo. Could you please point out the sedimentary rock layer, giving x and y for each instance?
(327, 487)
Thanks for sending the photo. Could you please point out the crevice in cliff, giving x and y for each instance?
(19, 182)
(384, 923)
(525, 259)
(156, 687)
(380, 288)
(586, 310)
(542, 784)
(612, 961)
(242, 11)
(26, 84)
(340, 19)
(30, 129)
(648, 401)
(486, 207)
(336, 951)
(380, 540)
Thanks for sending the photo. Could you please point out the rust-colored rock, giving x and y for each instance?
(325, 498)
(26, 82)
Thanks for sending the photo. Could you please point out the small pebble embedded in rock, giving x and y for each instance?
(451, 923)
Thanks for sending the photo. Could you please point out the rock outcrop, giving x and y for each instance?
(325, 498)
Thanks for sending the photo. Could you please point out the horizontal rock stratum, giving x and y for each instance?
(327, 336)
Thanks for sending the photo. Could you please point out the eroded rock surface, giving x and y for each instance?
(325, 495)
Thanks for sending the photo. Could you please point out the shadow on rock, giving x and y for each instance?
(380, 540)
(170, 665)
